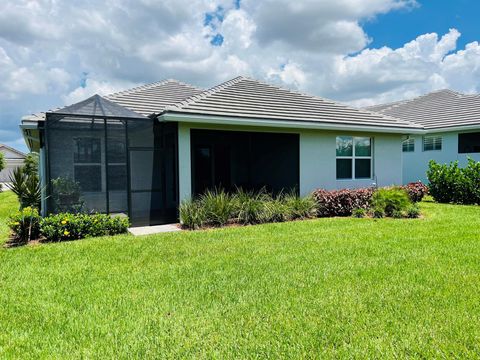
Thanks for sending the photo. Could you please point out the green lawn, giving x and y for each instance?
(326, 288)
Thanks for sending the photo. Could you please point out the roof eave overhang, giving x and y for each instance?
(453, 128)
(291, 124)
(31, 135)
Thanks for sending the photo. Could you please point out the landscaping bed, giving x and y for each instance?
(218, 208)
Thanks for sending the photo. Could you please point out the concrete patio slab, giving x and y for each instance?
(156, 229)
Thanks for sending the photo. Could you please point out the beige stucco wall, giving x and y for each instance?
(317, 157)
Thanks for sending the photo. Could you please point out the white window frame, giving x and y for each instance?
(354, 157)
(436, 139)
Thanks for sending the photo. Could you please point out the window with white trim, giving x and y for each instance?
(354, 157)
(432, 142)
(408, 144)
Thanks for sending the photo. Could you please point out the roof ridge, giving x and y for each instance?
(205, 93)
(139, 87)
(393, 104)
(151, 85)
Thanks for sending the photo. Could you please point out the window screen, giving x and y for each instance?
(89, 177)
(408, 145)
(432, 142)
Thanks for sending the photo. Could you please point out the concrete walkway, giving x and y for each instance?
(148, 230)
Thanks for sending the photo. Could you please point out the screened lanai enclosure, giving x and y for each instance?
(102, 157)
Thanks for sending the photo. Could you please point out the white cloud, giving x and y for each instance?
(424, 64)
(93, 87)
(323, 26)
(314, 46)
(290, 74)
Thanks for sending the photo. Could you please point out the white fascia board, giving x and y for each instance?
(223, 120)
(453, 129)
(29, 126)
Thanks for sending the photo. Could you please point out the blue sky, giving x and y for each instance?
(55, 53)
(396, 28)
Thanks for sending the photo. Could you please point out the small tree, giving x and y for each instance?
(2, 162)
(2, 166)
(26, 187)
(29, 193)
(31, 164)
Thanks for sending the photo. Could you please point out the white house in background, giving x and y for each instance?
(144, 150)
(13, 159)
(451, 123)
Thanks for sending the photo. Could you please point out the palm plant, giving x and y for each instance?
(26, 187)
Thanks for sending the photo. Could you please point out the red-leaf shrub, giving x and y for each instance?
(415, 190)
(342, 202)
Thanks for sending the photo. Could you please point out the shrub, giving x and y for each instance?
(413, 211)
(67, 226)
(342, 202)
(390, 200)
(359, 213)
(396, 214)
(298, 207)
(31, 164)
(378, 213)
(451, 184)
(25, 225)
(416, 191)
(249, 206)
(26, 187)
(192, 215)
(218, 206)
(66, 195)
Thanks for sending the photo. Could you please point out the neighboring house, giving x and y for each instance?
(13, 159)
(144, 150)
(451, 123)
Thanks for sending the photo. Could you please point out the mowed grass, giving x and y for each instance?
(326, 288)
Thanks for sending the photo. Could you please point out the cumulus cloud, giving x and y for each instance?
(424, 64)
(323, 26)
(47, 47)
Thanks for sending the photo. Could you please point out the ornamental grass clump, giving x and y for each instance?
(218, 206)
(275, 210)
(359, 213)
(413, 211)
(393, 201)
(299, 207)
(192, 214)
(249, 206)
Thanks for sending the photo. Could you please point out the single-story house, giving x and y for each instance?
(13, 159)
(142, 151)
(451, 123)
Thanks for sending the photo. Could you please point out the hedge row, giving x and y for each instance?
(451, 184)
(27, 225)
